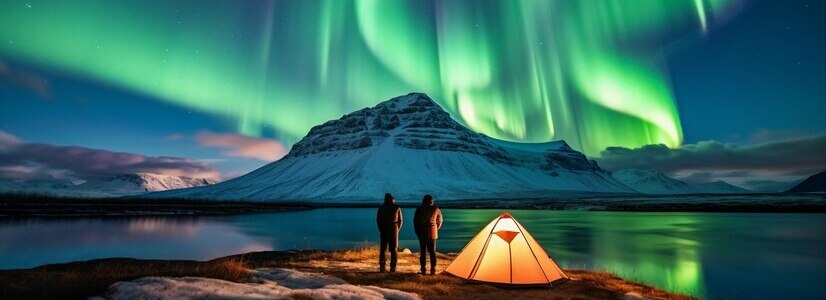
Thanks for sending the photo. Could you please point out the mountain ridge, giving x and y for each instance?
(410, 146)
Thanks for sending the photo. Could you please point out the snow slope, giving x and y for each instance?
(409, 146)
(653, 182)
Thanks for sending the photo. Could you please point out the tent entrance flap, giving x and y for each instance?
(512, 257)
(506, 235)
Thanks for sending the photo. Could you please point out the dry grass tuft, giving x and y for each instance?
(347, 255)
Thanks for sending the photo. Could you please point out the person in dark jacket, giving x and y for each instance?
(389, 221)
(427, 221)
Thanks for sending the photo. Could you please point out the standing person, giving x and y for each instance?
(389, 221)
(427, 221)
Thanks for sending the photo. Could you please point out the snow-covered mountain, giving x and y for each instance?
(130, 184)
(409, 146)
(653, 182)
(112, 186)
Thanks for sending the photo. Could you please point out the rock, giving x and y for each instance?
(406, 251)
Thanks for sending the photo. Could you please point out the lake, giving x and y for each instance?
(711, 255)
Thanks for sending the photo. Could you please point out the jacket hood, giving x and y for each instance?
(389, 199)
(428, 200)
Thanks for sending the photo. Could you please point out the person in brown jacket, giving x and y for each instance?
(427, 221)
(389, 221)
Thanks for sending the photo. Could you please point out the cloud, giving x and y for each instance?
(243, 146)
(21, 172)
(8, 140)
(25, 80)
(23, 160)
(712, 160)
(767, 135)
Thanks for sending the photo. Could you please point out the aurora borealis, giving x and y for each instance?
(589, 72)
(718, 94)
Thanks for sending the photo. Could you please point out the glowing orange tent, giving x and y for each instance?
(505, 253)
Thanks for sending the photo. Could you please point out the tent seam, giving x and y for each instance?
(484, 249)
(519, 226)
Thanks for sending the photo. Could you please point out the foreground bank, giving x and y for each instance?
(291, 274)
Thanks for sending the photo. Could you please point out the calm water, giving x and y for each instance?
(712, 255)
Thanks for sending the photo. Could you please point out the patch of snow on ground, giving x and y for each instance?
(267, 284)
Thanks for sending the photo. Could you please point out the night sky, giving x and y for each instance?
(229, 85)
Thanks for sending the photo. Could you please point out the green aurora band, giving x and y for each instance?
(588, 72)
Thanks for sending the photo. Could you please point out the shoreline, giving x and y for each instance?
(59, 207)
(28, 206)
(92, 278)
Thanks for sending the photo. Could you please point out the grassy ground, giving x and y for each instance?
(358, 266)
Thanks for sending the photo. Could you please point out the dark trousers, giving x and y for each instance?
(428, 246)
(389, 241)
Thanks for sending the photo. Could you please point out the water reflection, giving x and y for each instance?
(31, 242)
(704, 254)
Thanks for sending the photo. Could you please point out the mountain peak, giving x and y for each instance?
(412, 121)
(410, 100)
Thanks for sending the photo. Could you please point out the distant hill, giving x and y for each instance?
(813, 184)
(131, 184)
(110, 186)
(721, 187)
(653, 182)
